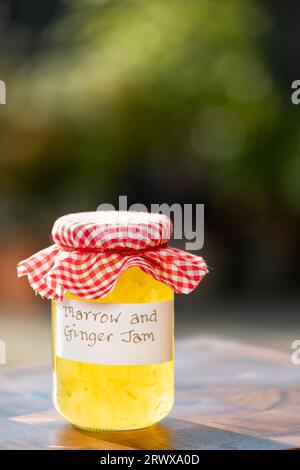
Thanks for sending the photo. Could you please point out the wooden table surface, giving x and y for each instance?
(229, 395)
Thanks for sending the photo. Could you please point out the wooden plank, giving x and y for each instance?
(246, 389)
(229, 395)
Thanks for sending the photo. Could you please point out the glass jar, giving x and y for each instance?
(113, 341)
(102, 396)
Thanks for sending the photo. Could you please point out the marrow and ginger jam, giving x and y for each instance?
(111, 277)
(104, 396)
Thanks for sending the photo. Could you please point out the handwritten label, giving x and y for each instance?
(116, 334)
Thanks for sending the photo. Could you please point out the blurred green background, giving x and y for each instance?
(162, 101)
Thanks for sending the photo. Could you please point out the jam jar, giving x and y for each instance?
(111, 277)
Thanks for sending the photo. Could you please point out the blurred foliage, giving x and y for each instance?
(149, 87)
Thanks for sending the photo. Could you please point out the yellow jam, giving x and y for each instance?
(116, 397)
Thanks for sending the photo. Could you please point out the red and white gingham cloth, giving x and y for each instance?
(92, 249)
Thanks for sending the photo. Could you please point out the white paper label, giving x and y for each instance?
(116, 334)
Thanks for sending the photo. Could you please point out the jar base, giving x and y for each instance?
(133, 428)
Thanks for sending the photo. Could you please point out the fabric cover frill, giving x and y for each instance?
(52, 272)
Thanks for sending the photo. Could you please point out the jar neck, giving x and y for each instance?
(119, 251)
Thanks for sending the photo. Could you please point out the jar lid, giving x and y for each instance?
(92, 249)
(111, 230)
